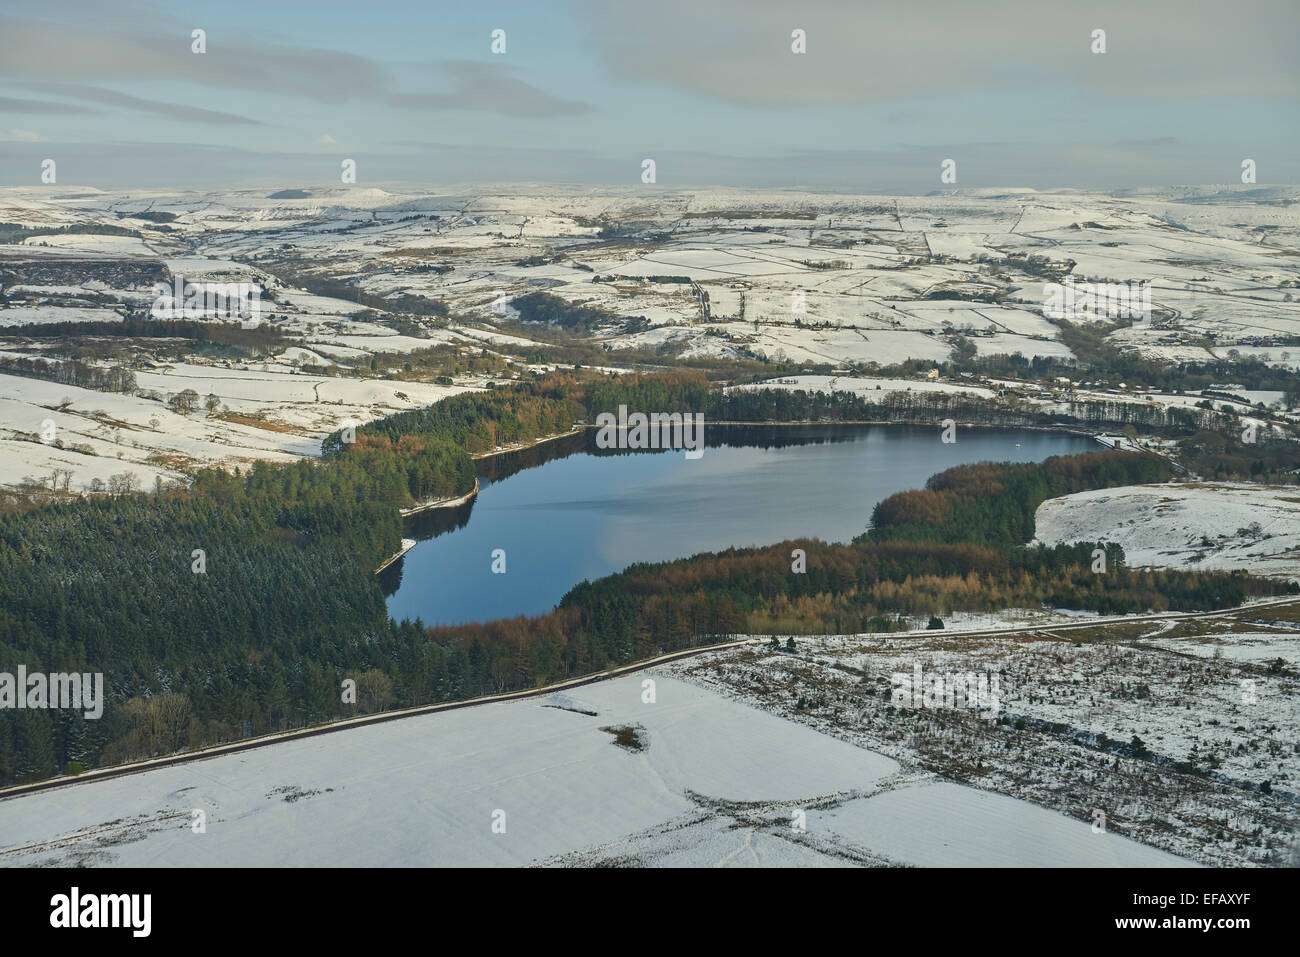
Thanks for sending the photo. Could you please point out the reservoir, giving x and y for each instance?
(566, 511)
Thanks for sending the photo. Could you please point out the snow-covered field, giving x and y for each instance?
(270, 414)
(832, 281)
(1257, 647)
(1255, 528)
(1142, 729)
(714, 783)
(869, 264)
(866, 385)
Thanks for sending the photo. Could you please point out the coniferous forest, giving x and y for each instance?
(237, 606)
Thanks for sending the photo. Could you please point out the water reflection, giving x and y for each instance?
(583, 512)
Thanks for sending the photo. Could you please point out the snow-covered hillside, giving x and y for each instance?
(1255, 528)
(837, 282)
(694, 779)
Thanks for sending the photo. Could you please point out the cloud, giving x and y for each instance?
(9, 104)
(327, 140)
(739, 51)
(175, 111)
(34, 49)
(20, 136)
(69, 57)
(488, 86)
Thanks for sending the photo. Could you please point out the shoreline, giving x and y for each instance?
(521, 446)
(1064, 427)
(440, 503)
(407, 545)
(462, 499)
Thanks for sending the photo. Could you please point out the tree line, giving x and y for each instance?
(247, 596)
(956, 545)
(236, 606)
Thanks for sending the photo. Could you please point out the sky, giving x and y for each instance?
(711, 90)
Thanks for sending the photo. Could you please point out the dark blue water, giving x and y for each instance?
(582, 515)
